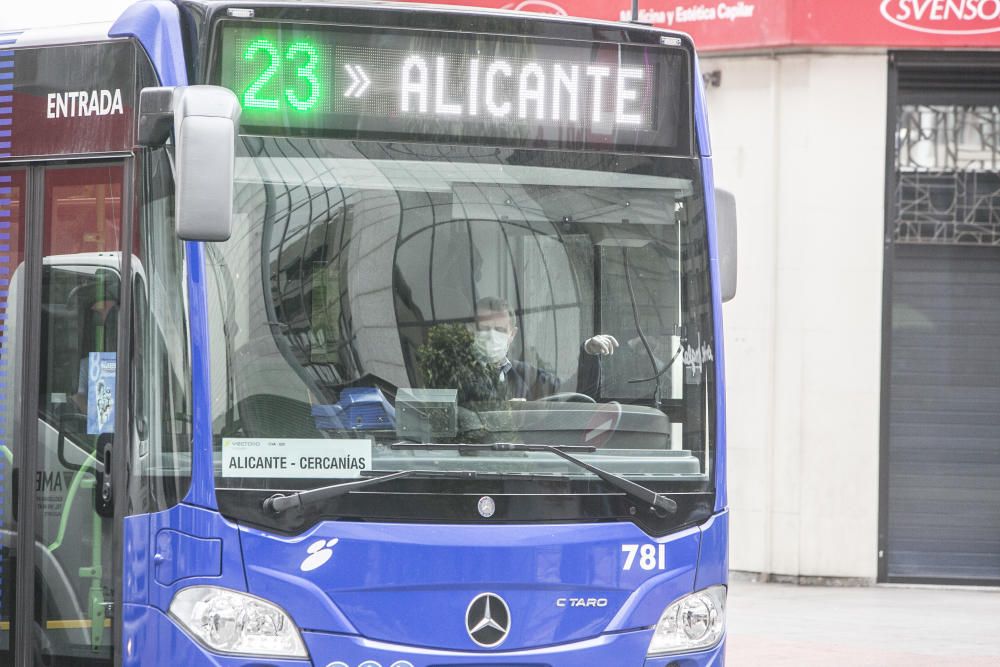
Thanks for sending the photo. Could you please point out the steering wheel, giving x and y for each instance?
(569, 396)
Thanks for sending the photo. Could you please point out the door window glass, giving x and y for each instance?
(80, 291)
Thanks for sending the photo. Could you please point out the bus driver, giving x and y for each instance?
(494, 334)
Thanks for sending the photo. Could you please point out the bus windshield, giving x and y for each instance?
(376, 298)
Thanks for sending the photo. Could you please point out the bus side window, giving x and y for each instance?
(161, 457)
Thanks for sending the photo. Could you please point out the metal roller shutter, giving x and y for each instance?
(940, 503)
(944, 433)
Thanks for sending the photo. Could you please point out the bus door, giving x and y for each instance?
(12, 204)
(62, 321)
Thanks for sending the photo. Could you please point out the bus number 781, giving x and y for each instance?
(651, 556)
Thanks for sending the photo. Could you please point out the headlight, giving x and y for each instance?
(228, 621)
(696, 621)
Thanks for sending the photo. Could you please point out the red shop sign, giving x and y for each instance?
(748, 24)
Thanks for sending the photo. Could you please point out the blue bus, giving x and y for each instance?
(359, 334)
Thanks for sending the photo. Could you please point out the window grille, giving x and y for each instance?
(947, 180)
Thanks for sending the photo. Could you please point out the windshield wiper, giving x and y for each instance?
(281, 502)
(658, 503)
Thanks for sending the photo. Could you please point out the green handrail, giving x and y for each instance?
(70, 497)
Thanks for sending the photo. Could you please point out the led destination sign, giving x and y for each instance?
(398, 84)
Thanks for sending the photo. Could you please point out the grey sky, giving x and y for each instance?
(16, 14)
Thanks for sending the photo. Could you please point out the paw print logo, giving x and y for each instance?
(319, 552)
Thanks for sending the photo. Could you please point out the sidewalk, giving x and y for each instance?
(776, 625)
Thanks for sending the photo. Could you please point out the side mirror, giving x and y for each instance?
(205, 122)
(725, 221)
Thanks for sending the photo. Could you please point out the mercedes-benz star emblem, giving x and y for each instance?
(486, 507)
(488, 620)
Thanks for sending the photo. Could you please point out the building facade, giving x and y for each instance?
(862, 140)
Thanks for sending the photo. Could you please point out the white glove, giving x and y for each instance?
(601, 344)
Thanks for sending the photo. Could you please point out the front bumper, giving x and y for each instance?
(612, 650)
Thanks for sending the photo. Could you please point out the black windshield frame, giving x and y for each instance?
(450, 501)
(519, 498)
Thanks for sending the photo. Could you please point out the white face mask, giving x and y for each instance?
(493, 345)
